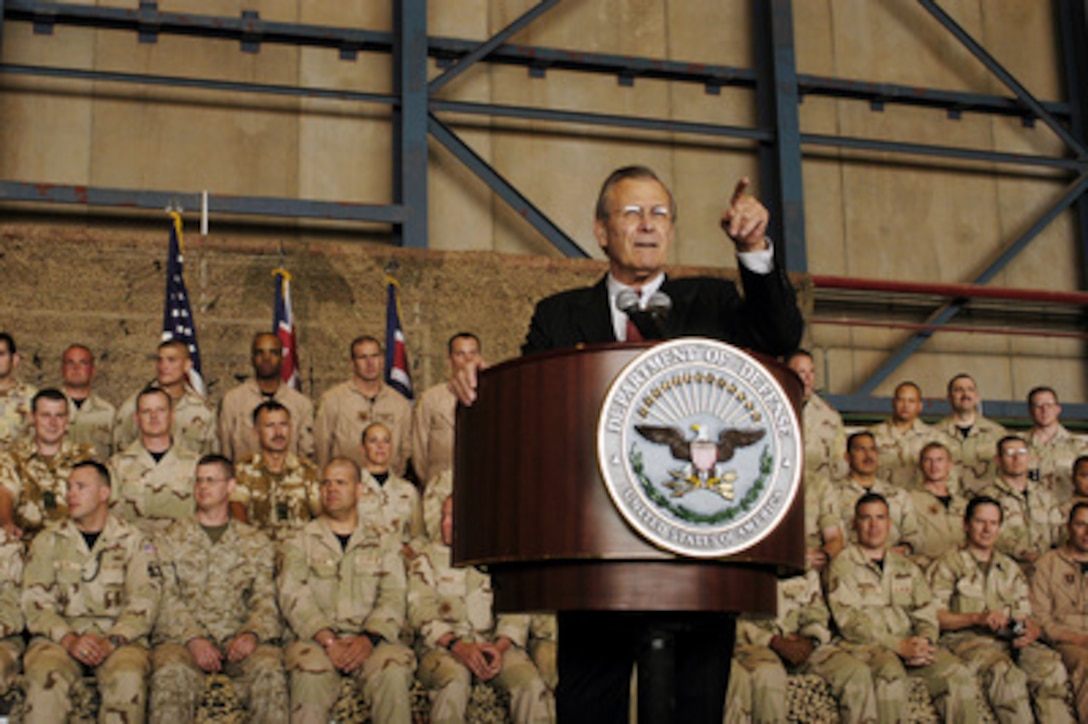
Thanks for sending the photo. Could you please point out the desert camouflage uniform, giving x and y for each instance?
(396, 504)
(194, 424)
(278, 503)
(444, 600)
(961, 584)
(899, 451)
(438, 488)
(1054, 460)
(825, 439)
(153, 495)
(344, 411)
(875, 609)
(39, 485)
(816, 492)
(11, 610)
(350, 591)
(217, 591)
(838, 510)
(942, 525)
(1059, 601)
(432, 431)
(543, 646)
(92, 424)
(237, 438)
(975, 454)
(801, 611)
(110, 589)
(15, 413)
(1032, 521)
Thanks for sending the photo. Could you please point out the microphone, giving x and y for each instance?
(659, 305)
(627, 301)
(651, 322)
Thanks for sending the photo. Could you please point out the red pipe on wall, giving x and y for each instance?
(952, 291)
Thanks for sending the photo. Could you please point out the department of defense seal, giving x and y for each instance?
(699, 448)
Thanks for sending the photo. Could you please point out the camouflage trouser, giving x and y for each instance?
(1075, 659)
(11, 651)
(50, 673)
(951, 685)
(544, 653)
(449, 684)
(765, 675)
(384, 679)
(178, 683)
(1039, 671)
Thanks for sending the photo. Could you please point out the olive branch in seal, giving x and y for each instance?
(766, 464)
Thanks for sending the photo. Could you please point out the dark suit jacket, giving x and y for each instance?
(766, 319)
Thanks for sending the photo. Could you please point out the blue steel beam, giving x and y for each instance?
(505, 190)
(481, 51)
(1004, 76)
(776, 103)
(945, 314)
(410, 121)
(227, 204)
(1072, 21)
(349, 41)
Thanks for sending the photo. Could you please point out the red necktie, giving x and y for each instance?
(633, 335)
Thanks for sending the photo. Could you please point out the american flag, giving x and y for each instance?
(283, 326)
(396, 352)
(177, 318)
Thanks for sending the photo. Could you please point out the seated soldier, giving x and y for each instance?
(34, 473)
(385, 496)
(91, 591)
(1059, 600)
(277, 490)
(461, 640)
(12, 622)
(887, 616)
(985, 616)
(1080, 489)
(797, 640)
(1032, 517)
(342, 591)
(219, 612)
(939, 505)
(841, 496)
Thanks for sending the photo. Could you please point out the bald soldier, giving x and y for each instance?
(342, 591)
(90, 416)
(193, 425)
(900, 438)
(91, 592)
(237, 437)
(887, 617)
(461, 640)
(219, 612)
(34, 473)
(985, 616)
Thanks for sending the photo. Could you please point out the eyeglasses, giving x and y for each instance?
(634, 212)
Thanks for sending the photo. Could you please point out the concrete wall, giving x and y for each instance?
(867, 215)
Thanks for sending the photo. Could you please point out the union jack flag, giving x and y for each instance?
(283, 326)
(396, 351)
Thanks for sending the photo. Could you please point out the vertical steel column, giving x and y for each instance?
(776, 100)
(410, 121)
(1072, 19)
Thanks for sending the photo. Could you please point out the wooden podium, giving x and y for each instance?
(532, 508)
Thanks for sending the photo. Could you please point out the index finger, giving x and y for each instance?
(740, 190)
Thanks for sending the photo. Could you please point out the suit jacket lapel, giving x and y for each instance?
(595, 318)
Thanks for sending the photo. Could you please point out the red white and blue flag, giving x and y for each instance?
(177, 318)
(283, 326)
(396, 351)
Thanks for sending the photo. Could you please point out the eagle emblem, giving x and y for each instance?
(705, 457)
